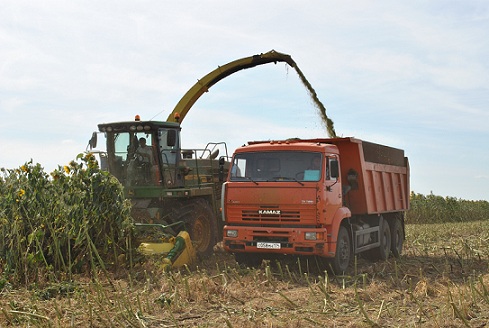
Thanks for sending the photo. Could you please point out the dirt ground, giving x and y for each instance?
(431, 285)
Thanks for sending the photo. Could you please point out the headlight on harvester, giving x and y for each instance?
(311, 236)
(232, 233)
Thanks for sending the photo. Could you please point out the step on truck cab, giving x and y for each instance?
(332, 198)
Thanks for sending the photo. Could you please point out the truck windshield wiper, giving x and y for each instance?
(286, 178)
(249, 178)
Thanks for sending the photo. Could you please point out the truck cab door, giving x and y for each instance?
(332, 187)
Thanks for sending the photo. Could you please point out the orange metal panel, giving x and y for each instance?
(395, 194)
(375, 205)
(385, 187)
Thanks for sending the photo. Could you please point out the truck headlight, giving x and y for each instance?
(311, 236)
(232, 233)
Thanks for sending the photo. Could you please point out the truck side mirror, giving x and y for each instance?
(335, 170)
(171, 138)
(93, 141)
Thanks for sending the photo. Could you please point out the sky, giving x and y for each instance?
(409, 74)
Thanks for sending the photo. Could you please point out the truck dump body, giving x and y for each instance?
(382, 182)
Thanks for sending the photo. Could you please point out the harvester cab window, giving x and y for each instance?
(122, 146)
(128, 145)
(133, 158)
(144, 150)
(169, 146)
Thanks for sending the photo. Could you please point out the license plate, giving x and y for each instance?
(268, 245)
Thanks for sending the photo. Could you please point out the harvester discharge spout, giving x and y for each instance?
(203, 85)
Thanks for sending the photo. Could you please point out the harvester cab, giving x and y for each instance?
(143, 153)
(165, 183)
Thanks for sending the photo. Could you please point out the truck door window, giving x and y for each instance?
(329, 161)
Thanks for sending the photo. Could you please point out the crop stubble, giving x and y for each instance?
(441, 280)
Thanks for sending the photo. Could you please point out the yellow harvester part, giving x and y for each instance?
(178, 251)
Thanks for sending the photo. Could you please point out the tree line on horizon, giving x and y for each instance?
(437, 209)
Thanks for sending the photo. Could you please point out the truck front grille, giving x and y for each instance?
(283, 217)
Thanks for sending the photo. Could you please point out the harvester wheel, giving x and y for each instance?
(202, 227)
(397, 237)
(343, 256)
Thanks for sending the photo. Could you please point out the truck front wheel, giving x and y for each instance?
(343, 255)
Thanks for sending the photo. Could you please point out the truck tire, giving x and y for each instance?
(201, 225)
(344, 252)
(385, 241)
(397, 237)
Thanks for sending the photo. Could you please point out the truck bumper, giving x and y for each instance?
(299, 241)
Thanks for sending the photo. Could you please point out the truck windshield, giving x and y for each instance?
(277, 166)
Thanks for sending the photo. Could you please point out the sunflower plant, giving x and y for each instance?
(75, 219)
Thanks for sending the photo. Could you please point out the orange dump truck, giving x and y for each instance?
(330, 198)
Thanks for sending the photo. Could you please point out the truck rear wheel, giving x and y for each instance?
(385, 241)
(397, 236)
(201, 225)
(343, 256)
